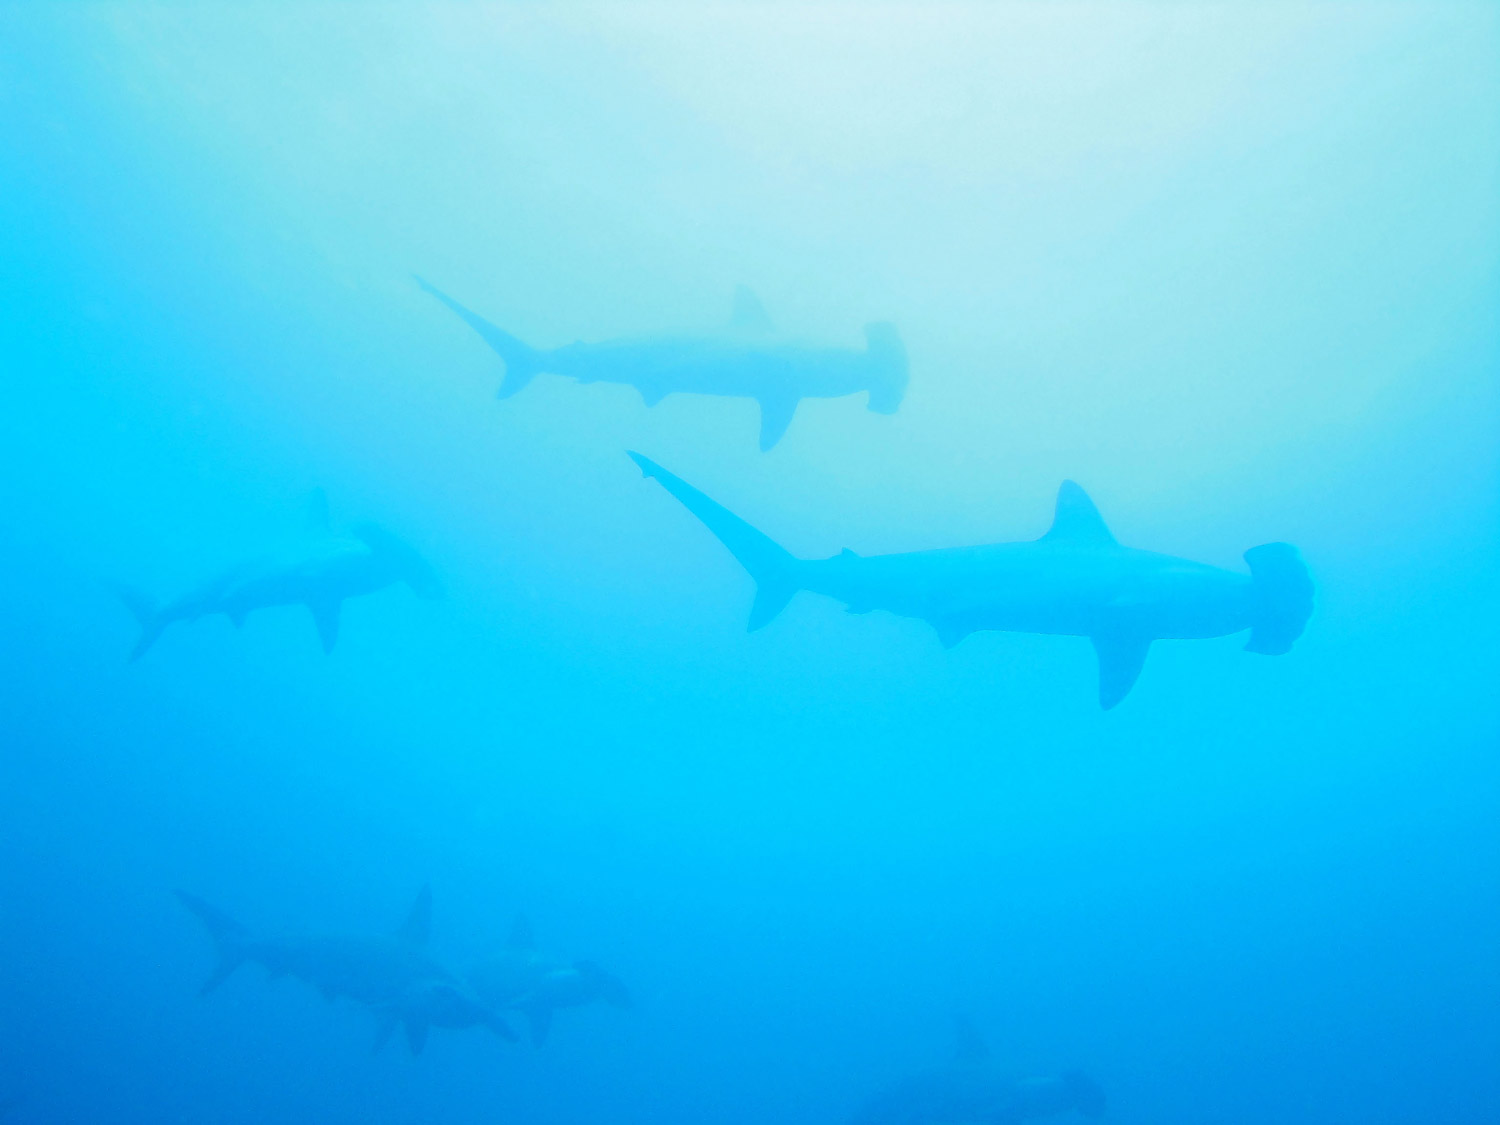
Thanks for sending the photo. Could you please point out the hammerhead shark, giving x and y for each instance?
(1076, 580)
(972, 1090)
(394, 976)
(320, 572)
(523, 977)
(742, 362)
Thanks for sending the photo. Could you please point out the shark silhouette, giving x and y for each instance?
(536, 983)
(743, 362)
(1076, 580)
(320, 571)
(393, 976)
(972, 1090)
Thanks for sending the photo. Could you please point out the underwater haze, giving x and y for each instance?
(1232, 268)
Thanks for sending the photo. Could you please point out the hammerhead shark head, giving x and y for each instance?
(523, 977)
(1076, 580)
(393, 975)
(743, 362)
(972, 1090)
(319, 572)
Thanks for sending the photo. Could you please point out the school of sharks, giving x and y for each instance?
(1074, 580)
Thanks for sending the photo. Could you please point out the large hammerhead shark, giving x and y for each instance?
(394, 976)
(1076, 581)
(741, 362)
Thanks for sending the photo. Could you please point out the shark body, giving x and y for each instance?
(972, 1090)
(392, 975)
(320, 572)
(742, 362)
(527, 979)
(1076, 580)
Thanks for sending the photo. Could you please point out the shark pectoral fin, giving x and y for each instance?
(539, 1016)
(1121, 658)
(416, 1035)
(385, 1027)
(326, 618)
(775, 416)
(651, 395)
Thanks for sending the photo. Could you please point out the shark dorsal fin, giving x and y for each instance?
(521, 936)
(747, 314)
(1076, 518)
(317, 514)
(846, 553)
(418, 925)
(971, 1048)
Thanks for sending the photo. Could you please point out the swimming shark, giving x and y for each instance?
(320, 572)
(1076, 580)
(524, 978)
(972, 1090)
(392, 975)
(744, 361)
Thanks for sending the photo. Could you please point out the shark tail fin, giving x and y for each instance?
(775, 569)
(523, 363)
(228, 938)
(888, 367)
(1283, 597)
(147, 614)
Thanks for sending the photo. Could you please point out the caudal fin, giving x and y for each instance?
(774, 568)
(228, 937)
(144, 609)
(523, 363)
(1283, 597)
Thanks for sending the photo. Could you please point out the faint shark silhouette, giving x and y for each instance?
(742, 362)
(972, 1090)
(523, 977)
(1076, 580)
(393, 975)
(320, 572)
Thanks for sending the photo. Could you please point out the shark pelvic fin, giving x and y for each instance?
(1121, 658)
(1076, 518)
(417, 928)
(326, 618)
(775, 416)
(950, 633)
(748, 315)
(775, 570)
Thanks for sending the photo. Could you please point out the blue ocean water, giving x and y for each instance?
(1233, 268)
